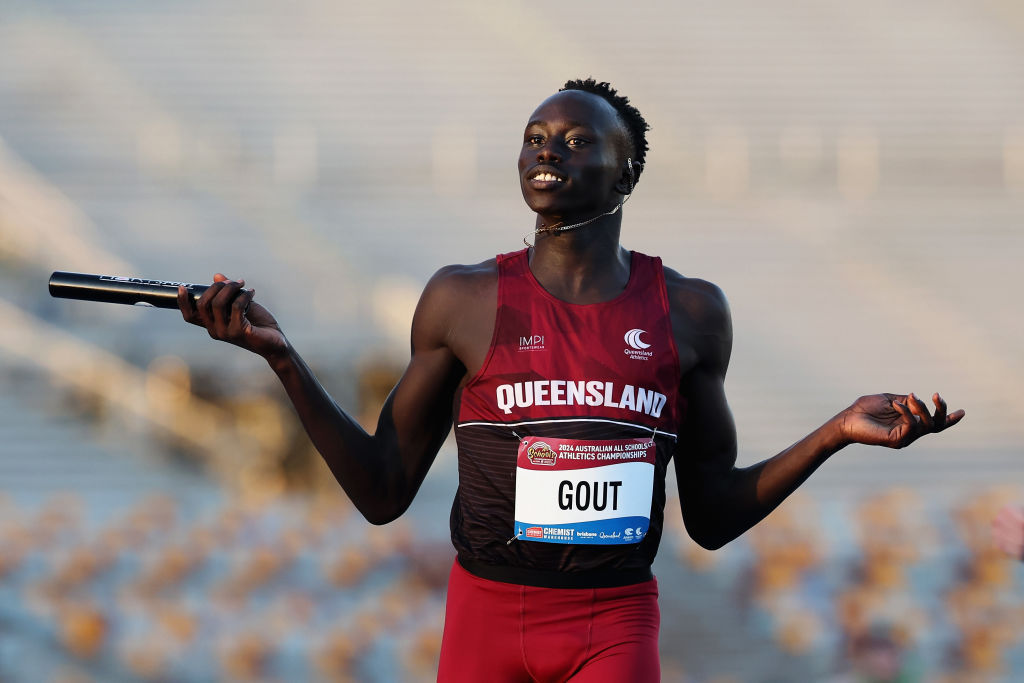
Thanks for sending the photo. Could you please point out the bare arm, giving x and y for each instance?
(721, 501)
(380, 472)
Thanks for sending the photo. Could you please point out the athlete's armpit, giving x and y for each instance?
(701, 323)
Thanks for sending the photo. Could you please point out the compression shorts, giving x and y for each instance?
(508, 633)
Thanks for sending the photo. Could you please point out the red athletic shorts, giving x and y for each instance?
(507, 633)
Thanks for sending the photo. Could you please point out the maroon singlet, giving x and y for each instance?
(560, 383)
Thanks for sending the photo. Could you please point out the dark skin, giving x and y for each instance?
(573, 167)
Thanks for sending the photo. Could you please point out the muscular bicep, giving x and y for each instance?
(417, 415)
(706, 444)
(707, 441)
(420, 406)
(705, 458)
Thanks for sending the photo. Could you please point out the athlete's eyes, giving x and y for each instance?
(536, 140)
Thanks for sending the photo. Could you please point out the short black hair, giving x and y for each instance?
(636, 126)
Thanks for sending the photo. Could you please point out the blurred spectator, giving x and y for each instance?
(245, 656)
(335, 660)
(983, 605)
(1008, 531)
(988, 620)
(876, 656)
(893, 531)
(986, 563)
(786, 545)
(83, 629)
(422, 657)
(798, 630)
(862, 606)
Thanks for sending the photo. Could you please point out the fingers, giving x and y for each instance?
(204, 306)
(943, 420)
(902, 409)
(220, 309)
(187, 306)
(238, 323)
(221, 306)
(920, 410)
(932, 423)
(908, 429)
(940, 410)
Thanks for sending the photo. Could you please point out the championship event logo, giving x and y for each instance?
(541, 454)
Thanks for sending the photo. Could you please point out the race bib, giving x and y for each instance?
(584, 492)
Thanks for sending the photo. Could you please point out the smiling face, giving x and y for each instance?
(573, 156)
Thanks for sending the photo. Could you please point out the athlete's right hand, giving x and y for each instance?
(228, 313)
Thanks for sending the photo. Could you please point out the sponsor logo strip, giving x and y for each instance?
(619, 531)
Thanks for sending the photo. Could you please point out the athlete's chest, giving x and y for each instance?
(629, 339)
(550, 367)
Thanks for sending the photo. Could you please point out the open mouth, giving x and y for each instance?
(546, 180)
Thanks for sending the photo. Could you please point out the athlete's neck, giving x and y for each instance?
(582, 266)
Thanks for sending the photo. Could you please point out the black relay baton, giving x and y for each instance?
(120, 290)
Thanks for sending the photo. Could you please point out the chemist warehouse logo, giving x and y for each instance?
(637, 347)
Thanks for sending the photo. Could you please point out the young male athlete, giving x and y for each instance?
(574, 372)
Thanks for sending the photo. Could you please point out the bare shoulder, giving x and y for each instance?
(483, 275)
(459, 285)
(457, 310)
(699, 304)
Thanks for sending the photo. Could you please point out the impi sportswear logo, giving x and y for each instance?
(535, 342)
(637, 346)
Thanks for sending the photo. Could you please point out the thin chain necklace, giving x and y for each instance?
(562, 228)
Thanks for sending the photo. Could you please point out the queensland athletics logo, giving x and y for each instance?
(541, 454)
(637, 346)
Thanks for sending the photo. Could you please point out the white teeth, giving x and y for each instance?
(547, 177)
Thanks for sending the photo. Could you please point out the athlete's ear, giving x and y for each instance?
(630, 175)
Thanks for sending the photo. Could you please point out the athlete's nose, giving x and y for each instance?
(548, 153)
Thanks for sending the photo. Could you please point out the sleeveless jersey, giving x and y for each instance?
(565, 434)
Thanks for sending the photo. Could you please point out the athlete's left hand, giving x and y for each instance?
(894, 420)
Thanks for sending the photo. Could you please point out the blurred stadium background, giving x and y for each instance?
(851, 174)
